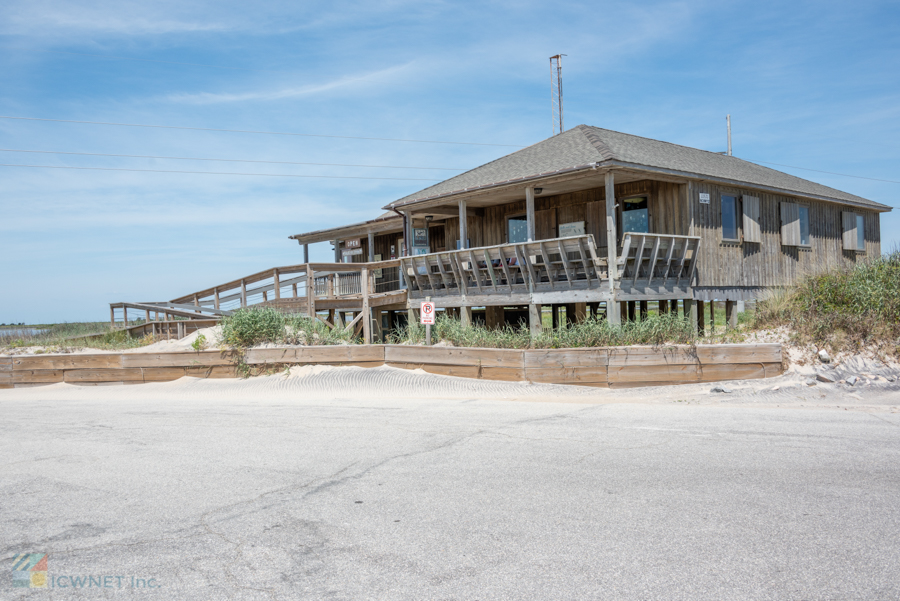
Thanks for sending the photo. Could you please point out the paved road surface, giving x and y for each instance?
(344, 499)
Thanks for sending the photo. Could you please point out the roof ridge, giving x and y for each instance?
(599, 145)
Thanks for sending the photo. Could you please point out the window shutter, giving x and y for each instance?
(752, 231)
(790, 224)
(849, 237)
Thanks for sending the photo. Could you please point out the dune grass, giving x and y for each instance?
(593, 332)
(63, 336)
(843, 308)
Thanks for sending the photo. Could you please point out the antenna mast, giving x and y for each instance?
(556, 93)
(728, 121)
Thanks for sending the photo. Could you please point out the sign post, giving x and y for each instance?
(426, 318)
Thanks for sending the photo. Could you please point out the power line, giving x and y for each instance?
(249, 131)
(405, 179)
(874, 179)
(145, 156)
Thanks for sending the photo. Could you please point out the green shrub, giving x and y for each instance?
(249, 327)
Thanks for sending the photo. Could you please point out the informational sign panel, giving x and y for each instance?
(420, 237)
(352, 243)
(576, 228)
(426, 314)
(704, 198)
(352, 252)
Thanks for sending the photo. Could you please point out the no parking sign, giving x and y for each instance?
(426, 314)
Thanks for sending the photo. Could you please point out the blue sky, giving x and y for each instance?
(809, 84)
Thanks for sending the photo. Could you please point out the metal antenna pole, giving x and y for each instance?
(728, 121)
(556, 94)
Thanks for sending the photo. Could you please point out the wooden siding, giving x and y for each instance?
(769, 262)
(666, 201)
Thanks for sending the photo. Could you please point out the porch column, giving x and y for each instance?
(730, 315)
(534, 319)
(463, 225)
(371, 247)
(215, 301)
(612, 313)
(690, 313)
(306, 253)
(337, 251)
(529, 212)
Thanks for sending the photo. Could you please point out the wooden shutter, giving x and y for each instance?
(790, 224)
(849, 236)
(545, 224)
(596, 221)
(752, 232)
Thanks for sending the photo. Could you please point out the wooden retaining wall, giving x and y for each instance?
(613, 367)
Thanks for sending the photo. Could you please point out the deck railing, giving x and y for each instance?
(556, 264)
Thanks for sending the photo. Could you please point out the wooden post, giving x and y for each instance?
(645, 311)
(337, 251)
(378, 329)
(554, 316)
(623, 311)
(371, 247)
(125, 315)
(580, 312)
(305, 253)
(534, 319)
(294, 289)
(631, 311)
(329, 286)
(662, 307)
(690, 313)
(215, 298)
(730, 315)
(276, 281)
(700, 315)
(712, 317)
(310, 293)
(148, 316)
(367, 314)
(112, 316)
(529, 213)
(463, 225)
(243, 294)
(265, 296)
(465, 316)
(612, 316)
(674, 306)
(196, 303)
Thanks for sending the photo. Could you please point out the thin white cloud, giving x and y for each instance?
(371, 79)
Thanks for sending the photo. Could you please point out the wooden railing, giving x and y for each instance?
(527, 267)
(553, 265)
(657, 258)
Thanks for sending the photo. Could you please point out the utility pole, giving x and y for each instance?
(728, 121)
(556, 94)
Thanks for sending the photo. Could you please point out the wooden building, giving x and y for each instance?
(592, 220)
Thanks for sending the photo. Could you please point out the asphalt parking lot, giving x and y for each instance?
(454, 499)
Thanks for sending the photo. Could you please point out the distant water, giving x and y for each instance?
(19, 331)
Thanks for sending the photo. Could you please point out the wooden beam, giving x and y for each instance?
(529, 212)
(463, 225)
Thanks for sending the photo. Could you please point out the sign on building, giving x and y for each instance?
(576, 228)
(420, 236)
(426, 314)
(704, 198)
(353, 243)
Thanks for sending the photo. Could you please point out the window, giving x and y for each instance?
(635, 215)
(517, 229)
(729, 218)
(794, 224)
(860, 233)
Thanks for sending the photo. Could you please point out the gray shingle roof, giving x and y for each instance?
(584, 145)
